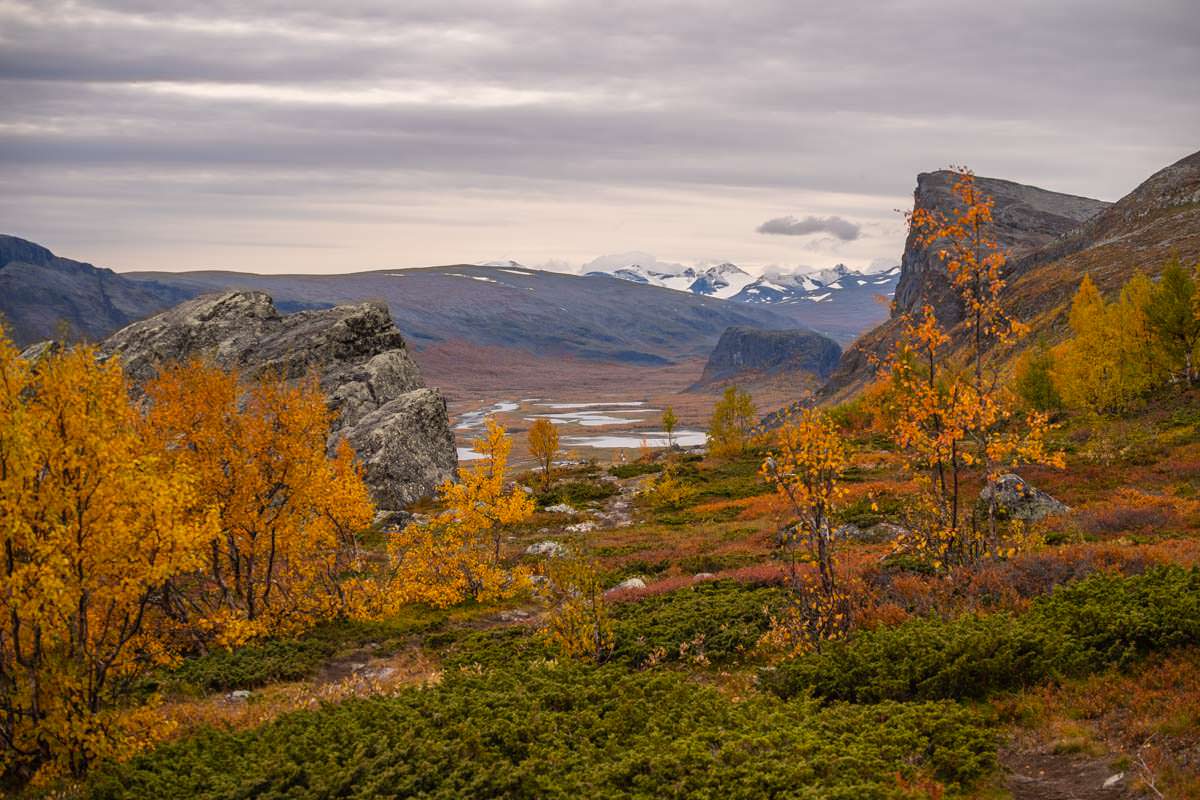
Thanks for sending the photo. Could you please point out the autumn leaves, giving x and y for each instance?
(949, 413)
(134, 531)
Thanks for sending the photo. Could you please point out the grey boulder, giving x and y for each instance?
(1018, 499)
(398, 428)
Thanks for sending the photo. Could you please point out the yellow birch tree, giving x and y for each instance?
(94, 523)
(455, 555)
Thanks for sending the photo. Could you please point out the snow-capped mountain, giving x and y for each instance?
(718, 280)
(721, 280)
(729, 281)
(503, 263)
(819, 287)
(838, 300)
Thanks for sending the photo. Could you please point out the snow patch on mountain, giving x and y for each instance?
(843, 292)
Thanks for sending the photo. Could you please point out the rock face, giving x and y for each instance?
(750, 352)
(40, 293)
(396, 425)
(1053, 241)
(1025, 218)
(1019, 500)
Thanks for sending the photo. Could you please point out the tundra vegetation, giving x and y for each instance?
(196, 601)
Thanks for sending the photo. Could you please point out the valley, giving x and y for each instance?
(526, 400)
(959, 558)
(603, 430)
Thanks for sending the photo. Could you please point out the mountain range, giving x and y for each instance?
(501, 304)
(548, 313)
(638, 311)
(43, 296)
(730, 282)
(838, 302)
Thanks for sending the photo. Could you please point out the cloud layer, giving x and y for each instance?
(302, 135)
(791, 226)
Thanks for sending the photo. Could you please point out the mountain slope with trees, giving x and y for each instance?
(1052, 243)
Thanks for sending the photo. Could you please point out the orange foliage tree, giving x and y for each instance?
(94, 523)
(956, 414)
(456, 555)
(289, 515)
(805, 467)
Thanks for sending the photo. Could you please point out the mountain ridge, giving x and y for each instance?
(837, 301)
(40, 292)
(547, 312)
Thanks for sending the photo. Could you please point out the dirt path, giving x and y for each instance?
(1039, 773)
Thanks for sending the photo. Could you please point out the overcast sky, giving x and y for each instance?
(314, 136)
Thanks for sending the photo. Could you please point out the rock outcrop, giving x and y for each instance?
(749, 353)
(396, 425)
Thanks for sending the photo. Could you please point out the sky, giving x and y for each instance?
(311, 136)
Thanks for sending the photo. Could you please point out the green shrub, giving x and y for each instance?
(712, 562)
(249, 666)
(566, 731)
(635, 469)
(867, 511)
(731, 480)
(1098, 622)
(577, 493)
(720, 620)
(494, 648)
(694, 517)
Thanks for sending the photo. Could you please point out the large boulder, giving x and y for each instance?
(1017, 499)
(397, 426)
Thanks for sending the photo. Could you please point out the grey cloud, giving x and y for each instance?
(791, 226)
(853, 98)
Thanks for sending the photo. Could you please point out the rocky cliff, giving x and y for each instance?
(396, 425)
(41, 292)
(749, 353)
(1025, 218)
(1052, 241)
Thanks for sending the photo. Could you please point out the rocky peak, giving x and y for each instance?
(1053, 240)
(1025, 218)
(1169, 188)
(396, 426)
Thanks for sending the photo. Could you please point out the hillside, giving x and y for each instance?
(1053, 240)
(545, 312)
(747, 355)
(40, 292)
(1043, 675)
